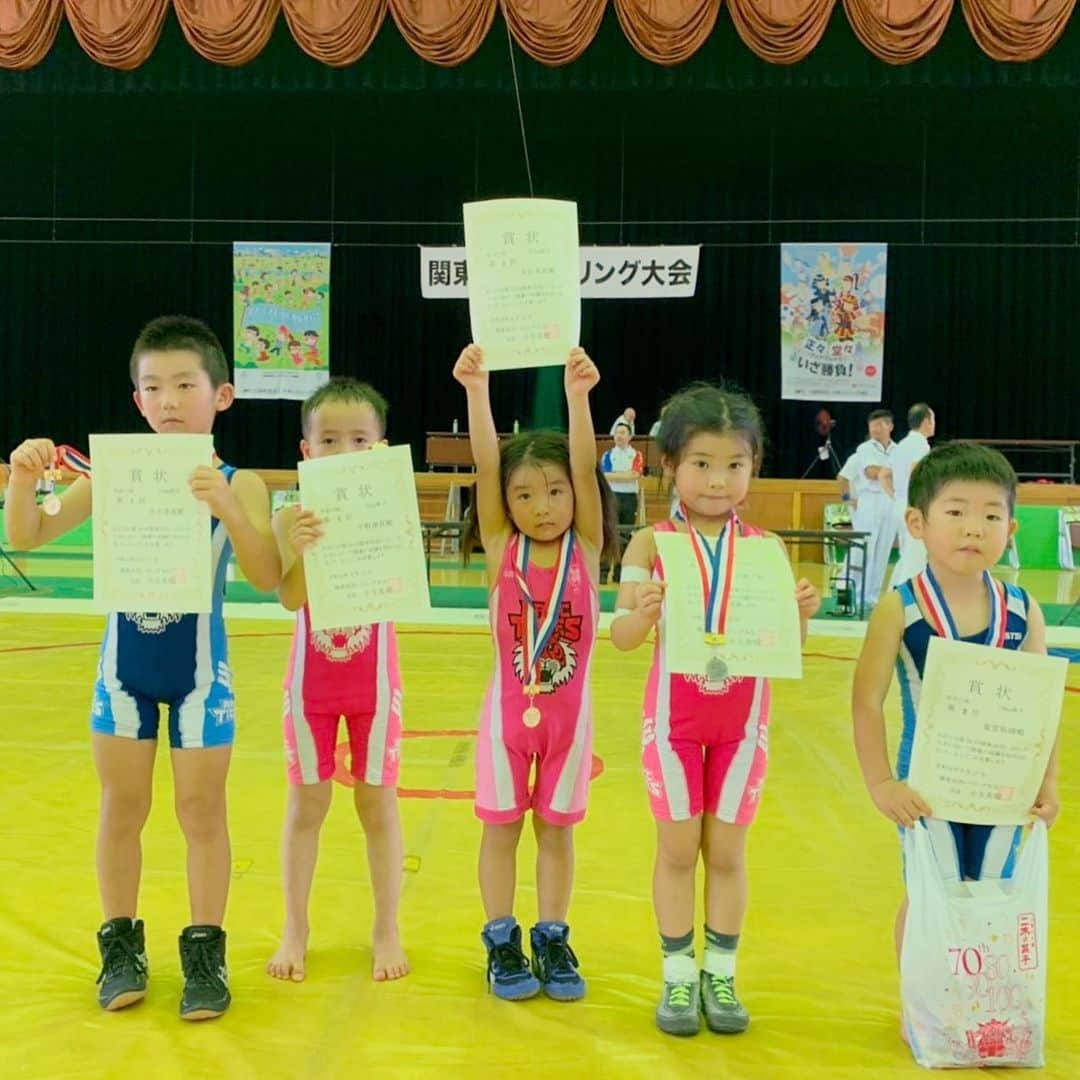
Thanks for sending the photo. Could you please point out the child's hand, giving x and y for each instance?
(581, 373)
(469, 369)
(211, 486)
(1046, 803)
(898, 802)
(306, 531)
(32, 459)
(650, 600)
(808, 599)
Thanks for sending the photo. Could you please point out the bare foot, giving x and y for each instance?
(389, 960)
(288, 962)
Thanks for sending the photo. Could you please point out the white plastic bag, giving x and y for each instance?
(973, 963)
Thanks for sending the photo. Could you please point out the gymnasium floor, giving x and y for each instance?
(816, 969)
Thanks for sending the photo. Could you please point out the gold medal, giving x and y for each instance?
(531, 717)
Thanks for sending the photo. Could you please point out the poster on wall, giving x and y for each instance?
(832, 321)
(281, 319)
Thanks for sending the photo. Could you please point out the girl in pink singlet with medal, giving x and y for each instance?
(544, 515)
(704, 738)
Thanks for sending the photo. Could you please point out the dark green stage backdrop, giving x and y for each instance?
(969, 169)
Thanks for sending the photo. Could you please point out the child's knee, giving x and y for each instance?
(201, 816)
(123, 810)
(678, 857)
(721, 859)
(308, 806)
(376, 806)
(551, 837)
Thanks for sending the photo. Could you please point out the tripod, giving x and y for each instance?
(11, 562)
(824, 453)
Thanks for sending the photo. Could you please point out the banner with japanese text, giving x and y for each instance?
(832, 321)
(620, 273)
(281, 319)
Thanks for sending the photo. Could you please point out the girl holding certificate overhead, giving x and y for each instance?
(545, 516)
(705, 736)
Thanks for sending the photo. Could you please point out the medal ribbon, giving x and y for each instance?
(721, 561)
(538, 633)
(67, 457)
(941, 619)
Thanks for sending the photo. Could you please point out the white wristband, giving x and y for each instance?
(638, 575)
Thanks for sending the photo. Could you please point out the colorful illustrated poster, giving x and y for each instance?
(832, 321)
(281, 319)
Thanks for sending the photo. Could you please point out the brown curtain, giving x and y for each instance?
(444, 32)
(781, 31)
(229, 32)
(898, 31)
(554, 32)
(335, 32)
(123, 33)
(117, 33)
(27, 31)
(667, 31)
(1017, 29)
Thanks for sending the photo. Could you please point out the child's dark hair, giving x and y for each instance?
(623, 424)
(960, 461)
(170, 333)
(533, 448)
(716, 410)
(879, 414)
(343, 388)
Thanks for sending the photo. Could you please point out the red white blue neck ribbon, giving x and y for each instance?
(716, 565)
(67, 457)
(538, 631)
(941, 618)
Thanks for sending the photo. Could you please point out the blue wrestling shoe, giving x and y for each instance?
(507, 969)
(554, 962)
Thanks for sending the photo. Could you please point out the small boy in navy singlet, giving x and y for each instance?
(960, 504)
(151, 659)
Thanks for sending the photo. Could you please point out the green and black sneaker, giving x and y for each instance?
(124, 970)
(206, 978)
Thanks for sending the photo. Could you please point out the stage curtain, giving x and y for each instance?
(1017, 30)
(898, 31)
(667, 31)
(229, 32)
(444, 32)
(122, 34)
(554, 32)
(781, 31)
(27, 31)
(334, 32)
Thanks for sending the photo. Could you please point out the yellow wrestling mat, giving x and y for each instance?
(816, 966)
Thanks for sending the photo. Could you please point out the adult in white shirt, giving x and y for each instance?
(875, 504)
(852, 486)
(627, 417)
(910, 450)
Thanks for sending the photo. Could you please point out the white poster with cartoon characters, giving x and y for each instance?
(832, 321)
